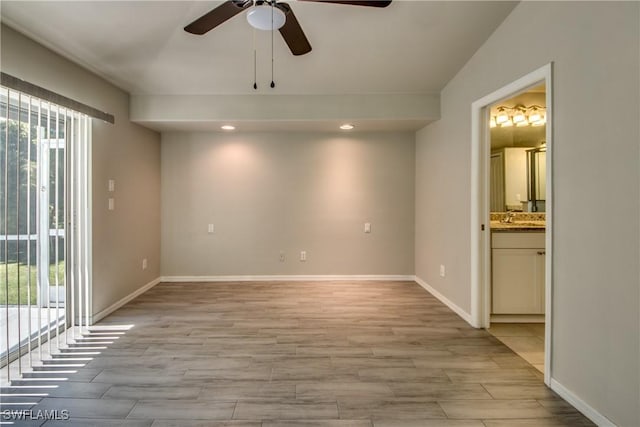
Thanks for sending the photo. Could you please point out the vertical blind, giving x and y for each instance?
(45, 230)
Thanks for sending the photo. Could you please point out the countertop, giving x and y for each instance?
(519, 226)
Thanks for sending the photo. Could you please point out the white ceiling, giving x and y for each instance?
(408, 47)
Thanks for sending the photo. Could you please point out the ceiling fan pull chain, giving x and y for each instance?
(255, 62)
(272, 30)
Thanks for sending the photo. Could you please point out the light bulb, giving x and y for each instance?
(507, 124)
(501, 117)
(534, 116)
(541, 121)
(519, 117)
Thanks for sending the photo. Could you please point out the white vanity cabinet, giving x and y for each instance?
(518, 272)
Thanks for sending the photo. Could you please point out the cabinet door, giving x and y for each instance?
(518, 281)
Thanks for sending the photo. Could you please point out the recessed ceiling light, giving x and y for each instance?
(347, 126)
(228, 127)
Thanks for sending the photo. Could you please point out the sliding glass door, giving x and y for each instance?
(43, 223)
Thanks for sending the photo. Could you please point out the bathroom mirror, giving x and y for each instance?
(536, 179)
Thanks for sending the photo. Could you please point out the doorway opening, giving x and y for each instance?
(511, 220)
(517, 196)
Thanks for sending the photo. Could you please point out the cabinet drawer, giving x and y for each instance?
(529, 240)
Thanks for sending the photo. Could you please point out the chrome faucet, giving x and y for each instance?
(508, 218)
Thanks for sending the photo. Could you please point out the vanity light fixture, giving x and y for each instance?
(518, 115)
(347, 126)
(228, 127)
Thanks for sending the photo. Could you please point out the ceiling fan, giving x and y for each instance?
(269, 15)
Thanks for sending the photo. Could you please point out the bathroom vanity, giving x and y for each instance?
(518, 265)
(518, 272)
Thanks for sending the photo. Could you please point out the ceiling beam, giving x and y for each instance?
(167, 109)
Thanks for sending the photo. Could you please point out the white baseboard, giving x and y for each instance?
(582, 406)
(286, 278)
(113, 307)
(446, 301)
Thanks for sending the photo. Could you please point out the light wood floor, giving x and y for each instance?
(345, 354)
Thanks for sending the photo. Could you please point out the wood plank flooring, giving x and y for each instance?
(325, 354)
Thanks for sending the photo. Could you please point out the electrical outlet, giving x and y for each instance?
(112, 185)
(442, 270)
(211, 229)
(367, 227)
(144, 264)
(281, 256)
(112, 204)
(303, 256)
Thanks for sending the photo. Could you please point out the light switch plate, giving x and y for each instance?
(112, 204)
(367, 227)
(211, 229)
(112, 185)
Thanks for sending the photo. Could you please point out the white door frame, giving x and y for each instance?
(480, 231)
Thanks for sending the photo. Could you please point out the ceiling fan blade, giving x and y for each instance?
(217, 16)
(369, 3)
(292, 32)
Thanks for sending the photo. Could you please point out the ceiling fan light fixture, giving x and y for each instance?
(265, 17)
(228, 127)
(347, 126)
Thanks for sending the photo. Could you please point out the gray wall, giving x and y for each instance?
(126, 152)
(273, 192)
(595, 50)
